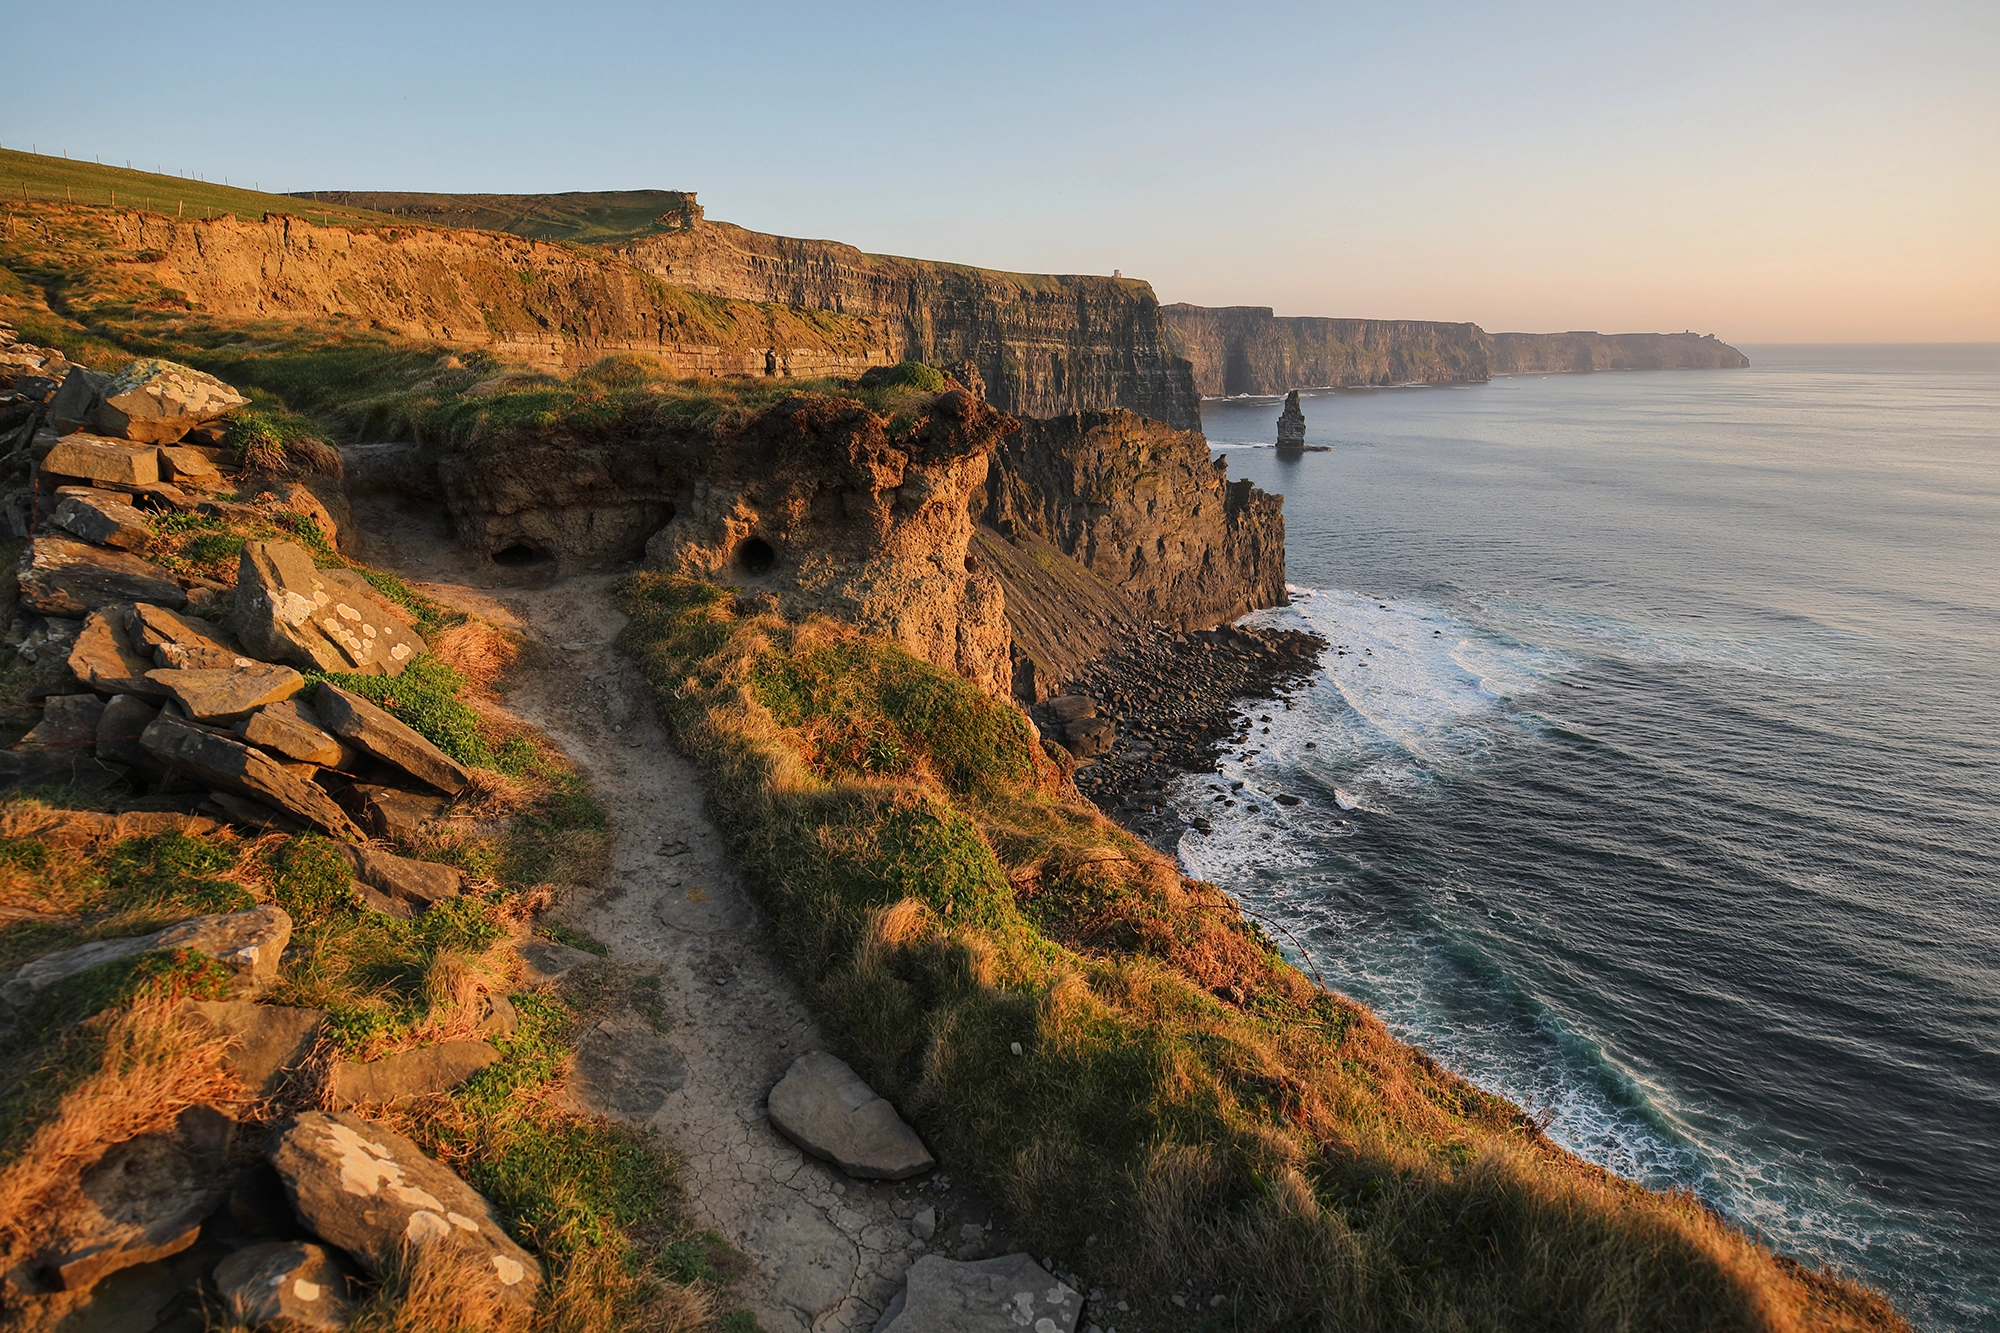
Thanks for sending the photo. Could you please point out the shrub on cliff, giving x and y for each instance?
(1131, 1068)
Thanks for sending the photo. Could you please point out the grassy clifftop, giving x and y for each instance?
(36, 178)
(1126, 1061)
(588, 217)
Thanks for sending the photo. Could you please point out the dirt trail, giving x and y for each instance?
(829, 1252)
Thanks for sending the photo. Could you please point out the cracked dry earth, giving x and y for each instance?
(827, 1252)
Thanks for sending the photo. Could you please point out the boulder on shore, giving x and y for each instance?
(63, 577)
(373, 731)
(824, 1106)
(374, 1193)
(316, 619)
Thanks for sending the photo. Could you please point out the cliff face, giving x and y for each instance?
(550, 305)
(1541, 353)
(1141, 509)
(813, 503)
(1247, 349)
(1042, 344)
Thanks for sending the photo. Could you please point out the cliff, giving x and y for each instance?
(553, 306)
(1249, 350)
(1143, 512)
(1543, 353)
(1043, 344)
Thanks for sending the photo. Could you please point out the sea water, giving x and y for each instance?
(1653, 778)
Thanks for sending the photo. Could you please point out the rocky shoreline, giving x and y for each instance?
(1167, 704)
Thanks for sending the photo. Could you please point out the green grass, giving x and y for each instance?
(1186, 1111)
(594, 217)
(42, 178)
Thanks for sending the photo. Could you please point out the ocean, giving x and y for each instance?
(1653, 778)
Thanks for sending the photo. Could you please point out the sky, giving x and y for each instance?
(1822, 172)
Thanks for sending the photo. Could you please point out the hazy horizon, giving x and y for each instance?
(1767, 173)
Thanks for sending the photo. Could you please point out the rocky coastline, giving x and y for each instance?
(1169, 703)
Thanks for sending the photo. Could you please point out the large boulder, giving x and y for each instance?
(374, 1193)
(96, 458)
(399, 815)
(1004, 1295)
(103, 518)
(248, 944)
(369, 729)
(316, 619)
(286, 1285)
(144, 1199)
(63, 577)
(105, 658)
(160, 401)
(75, 405)
(223, 761)
(407, 1074)
(213, 694)
(824, 1106)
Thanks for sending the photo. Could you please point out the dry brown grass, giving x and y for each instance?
(438, 1289)
(153, 1066)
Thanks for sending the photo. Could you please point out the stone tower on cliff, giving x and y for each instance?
(1292, 426)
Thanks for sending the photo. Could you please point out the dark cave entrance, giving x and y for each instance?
(519, 555)
(755, 557)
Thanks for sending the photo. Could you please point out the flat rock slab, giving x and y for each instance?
(57, 768)
(105, 657)
(290, 1285)
(416, 885)
(69, 722)
(224, 695)
(291, 728)
(187, 466)
(223, 761)
(63, 577)
(287, 610)
(266, 1041)
(824, 1106)
(369, 729)
(159, 401)
(544, 962)
(624, 1069)
(373, 1192)
(103, 518)
(144, 1199)
(177, 640)
(98, 458)
(399, 815)
(1004, 1295)
(249, 944)
(418, 1073)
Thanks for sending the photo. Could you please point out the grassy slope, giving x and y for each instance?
(1130, 1066)
(588, 217)
(34, 177)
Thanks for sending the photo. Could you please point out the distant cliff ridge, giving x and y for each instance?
(1248, 349)
(1044, 343)
(1540, 353)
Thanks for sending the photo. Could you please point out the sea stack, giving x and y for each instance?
(1292, 426)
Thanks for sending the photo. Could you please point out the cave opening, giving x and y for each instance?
(756, 557)
(520, 553)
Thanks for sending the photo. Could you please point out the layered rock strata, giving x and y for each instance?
(1042, 343)
(1143, 511)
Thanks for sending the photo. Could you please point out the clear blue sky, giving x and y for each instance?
(1764, 171)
